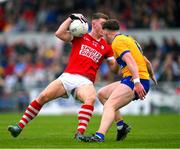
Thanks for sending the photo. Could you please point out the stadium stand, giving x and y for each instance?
(46, 15)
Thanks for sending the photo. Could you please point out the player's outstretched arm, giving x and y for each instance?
(63, 33)
(150, 70)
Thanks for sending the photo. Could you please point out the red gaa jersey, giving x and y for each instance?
(87, 55)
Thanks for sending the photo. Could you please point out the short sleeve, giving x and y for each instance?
(120, 47)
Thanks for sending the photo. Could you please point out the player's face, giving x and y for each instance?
(109, 35)
(97, 26)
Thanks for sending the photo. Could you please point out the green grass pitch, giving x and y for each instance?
(155, 131)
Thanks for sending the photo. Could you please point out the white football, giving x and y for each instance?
(78, 28)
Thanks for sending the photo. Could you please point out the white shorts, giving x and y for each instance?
(73, 81)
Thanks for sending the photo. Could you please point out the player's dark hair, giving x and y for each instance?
(111, 24)
(99, 15)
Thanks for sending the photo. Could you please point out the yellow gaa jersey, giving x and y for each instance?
(123, 44)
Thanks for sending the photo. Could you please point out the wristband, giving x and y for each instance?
(137, 80)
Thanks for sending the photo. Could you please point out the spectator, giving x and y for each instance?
(176, 68)
(45, 15)
(166, 73)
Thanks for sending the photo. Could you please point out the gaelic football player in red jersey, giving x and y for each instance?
(88, 53)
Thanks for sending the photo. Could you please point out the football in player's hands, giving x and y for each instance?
(79, 25)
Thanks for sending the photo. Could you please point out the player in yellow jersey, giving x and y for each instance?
(136, 70)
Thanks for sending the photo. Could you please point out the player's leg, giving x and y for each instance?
(103, 95)
(120, 97)
(86, 94)
(122, 128)
(54, 90)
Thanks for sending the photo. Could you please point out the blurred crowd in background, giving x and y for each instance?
(46, 15)
(29, 65)
(25, 66)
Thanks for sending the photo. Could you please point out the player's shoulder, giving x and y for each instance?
(83, 37)
(104, 43)
(123, 37)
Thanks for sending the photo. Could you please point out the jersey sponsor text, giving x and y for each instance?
(90, 53)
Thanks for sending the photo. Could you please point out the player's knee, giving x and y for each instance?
(90, 100)
(100, 96)
(100, 91)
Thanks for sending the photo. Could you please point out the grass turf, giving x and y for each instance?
(154, 131)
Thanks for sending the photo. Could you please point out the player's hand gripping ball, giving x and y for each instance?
(79, 25)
